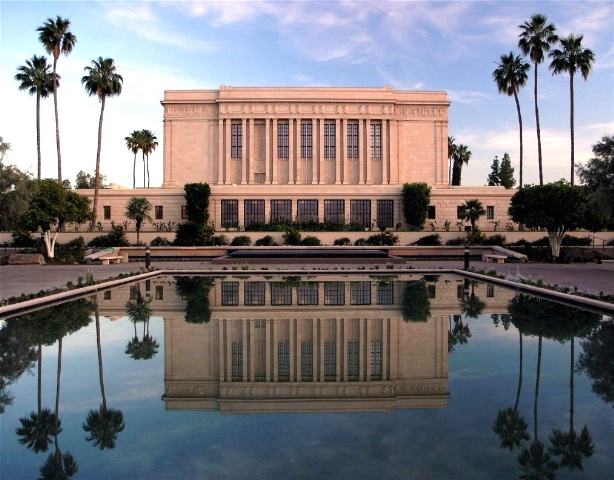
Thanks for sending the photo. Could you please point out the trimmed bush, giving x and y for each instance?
(429, 240)
(342, 242)
(496, 239)
(115, 238)
(241, 241)
(455, 242)
(311, 241)
(266, 241)
(160, 242)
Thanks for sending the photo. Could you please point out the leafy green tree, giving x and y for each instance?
(535, 40)
(57, 39)
(16, 188)
(52, 205)
(133, 143)
(195, 290)
(572, 58)
(472, 210)
(415, 303)
(416, 199)
(510, 76)
(493, 177)
(461, 156)
(4, 148)
(138, 209)
(197, 202)
(506, 173)
(86, 181)
(598, 175)
(557, 206)
(35, 78)
(102, 81)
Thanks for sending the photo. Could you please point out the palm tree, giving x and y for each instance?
(35, 78)
(472, 210)
(460, 156)
(57, 38)
(511, 75)
(572, 58)
(451, 150)
(37, 430)
(138, 209)
(536, 38)
(133, 143)
(102, 81)
(149, 144)
(139, 310)
(105, 424)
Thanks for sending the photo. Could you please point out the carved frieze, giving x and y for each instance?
(210, 111)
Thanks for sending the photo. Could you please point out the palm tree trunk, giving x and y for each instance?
(40, 378)
(148, 170)
(134, 173)
(38, 131)
(520, 129)
(57, 120)
(143, 169)
(571, 391)
(100, 373)
(519, 375)
(57, 392)
(539, 361)
(539, 138)
(97, 173)
(571, 125)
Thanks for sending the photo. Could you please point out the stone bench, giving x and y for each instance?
(108, 259)
(494, 258)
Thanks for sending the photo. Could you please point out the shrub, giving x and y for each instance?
(220, 240)
(241, 241)
(454, 242)
(361, 242)
(416, 198)
(23, 239)
(428, 240)
(160, 242)
(382, 239)
(266, 241)
(311, 241)
(496, 239)
(475, 237)
(342, 242)
(115, 238)
(191, 234)
(292, 237)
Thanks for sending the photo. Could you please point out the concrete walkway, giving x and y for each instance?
(17, 279)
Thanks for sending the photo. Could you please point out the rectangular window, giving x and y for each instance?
(184, 212)
(283, 140)
(159, 212)
(432, 212)
(283, 360)
(281, 294)
(308, 293)
(490, 291)
(360, 212)
(237, 361)
(334, 293)
(135, 292)
(306, 361)
(329, 140)
(281, 210)
(159, 292)
(254, 293)
(306, 140)
(431, 290)
(306, 211)
(385, 293)
(230, 213)
(352, 140)
(353, 359)
(376, 140)
(490, 212)
(376, 359)
(385, 214)
(460, 291)
(107, 295)
(253, 213)
(230, 294)
(334, 211)
(330, 360)
(107, 212)
(360, 293)
(459, 212)
(236, 140)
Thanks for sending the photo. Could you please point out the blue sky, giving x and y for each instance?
(432, 45)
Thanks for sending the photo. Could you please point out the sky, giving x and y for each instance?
(428, 46)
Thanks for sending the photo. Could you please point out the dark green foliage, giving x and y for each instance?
(85, 181)
(342, 242)
(191, 234)
(416, 199)
(197, 202)
(455, 242)
(361, 242)
(496, 239)
(598, 175)
(24, 239)
(16, 188)
(160, 242)
(292, 237)
(382, 239)
(266, 241)
(493, 176)
(506, 173)
(219, 240)
(241, 241)
(597, 360)
(415, 303)
(311, 241)
(195, 290)
(115, 238)
(429, 240)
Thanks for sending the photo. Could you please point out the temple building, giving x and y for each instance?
(326, 154)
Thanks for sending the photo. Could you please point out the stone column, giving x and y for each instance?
(227, 154)
(368, 159)
(274, 152)
(269, 327)
(315, 150)
(347, 162)
(338, 136)
(385, 152)
(361, 154)
(291, 152)
(267, 151)
(323, 172)
(298, 156)
(385, 349)
(244, 150)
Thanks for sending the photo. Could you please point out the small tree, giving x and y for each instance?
(85, 180)
(138, 209)
(53, 205)
(506, 173)
(416, 199)
(597, 175)
(557, 206)
(493, 177)
(197, 202)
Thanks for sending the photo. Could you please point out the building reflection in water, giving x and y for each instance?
(307, 344)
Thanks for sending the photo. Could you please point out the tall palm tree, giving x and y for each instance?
(451, 151)
(57, 39)
(133, 143)
(35, 78)
(102, 81)
(138, 209)
(472, 210)
(572, 57)
(103, 424)
(510, 76)
(460, 156)
(535, 39)
(149, 144)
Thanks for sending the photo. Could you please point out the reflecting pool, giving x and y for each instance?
(331, 376)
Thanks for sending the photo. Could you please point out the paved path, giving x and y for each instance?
(17, 279)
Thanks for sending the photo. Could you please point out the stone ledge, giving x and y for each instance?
(26, 259)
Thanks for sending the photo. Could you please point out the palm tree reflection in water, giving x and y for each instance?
(139, 310)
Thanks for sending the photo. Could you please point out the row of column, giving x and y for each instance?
(320, 165)
(323, 330)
